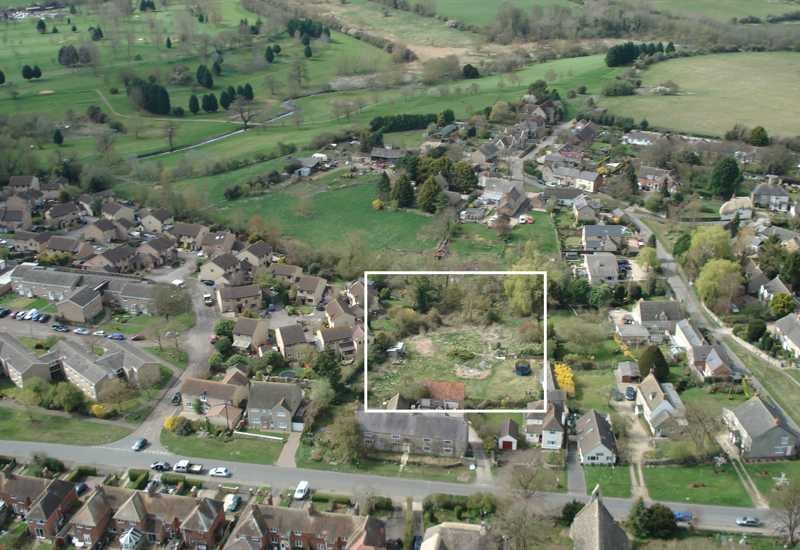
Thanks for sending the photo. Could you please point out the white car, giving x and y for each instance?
(219, 471)
(99, 333)
(81, 331)
(302, 490)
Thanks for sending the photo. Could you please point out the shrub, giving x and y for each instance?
(618, 88)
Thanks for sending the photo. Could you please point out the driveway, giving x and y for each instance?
(576, 482)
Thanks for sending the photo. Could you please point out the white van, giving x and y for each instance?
(302, 490)
(179, 283)
(181, 466)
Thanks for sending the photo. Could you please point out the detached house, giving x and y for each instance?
(274, 406)
(63, 215)
(225, 269)
(759, 433)
(710, 363)
(338, 312)
(513, 203)
(339, 339)
(189, 235)
(210, 393)
(596, 441)
(122, 259)
(310, 289)
(485, 154)
(651, 178)
(660, 406)
(220, 242)
(291, 341)
(772, 288)
(584, 210)
(104, 231)
(430, 434)
(257, 254)
(13, 219)
(546, 429)
(157, 252)
(156, 220)
(249, 334)
(238, 299)
(288, 274)
(770, 195)
(603, 238)
(588, 181)
(601, 268)
(658, 317)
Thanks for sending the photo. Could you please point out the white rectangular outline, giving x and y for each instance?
(545, 360)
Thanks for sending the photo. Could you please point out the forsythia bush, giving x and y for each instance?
(565, 378)
(626, 351)
(99, 410)
(170, 422)
(377, 204)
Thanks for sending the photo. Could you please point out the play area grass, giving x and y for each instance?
(699, 484)
(429, 357)
(614, 481)
(718, 91)
(593, 390)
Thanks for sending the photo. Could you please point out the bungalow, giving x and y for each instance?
(112, 210)
(339, 339)
(104, 231)
(274, 406)
(737, 206)
(291, 341)
(310, 289)
(257, 254)
(157, 252)
(562, 196)
(238, 299)
(250, 334)
(758, 432)
(509, 435)
(189, 235)
(660, 406)
(770, 195)
(596, 441)
(546, 427)
(48, 513)
(601, 268)
(308, 165)
(426, 434)
(122, 259)
(156, 220)
(627, 372)
(210, 393)
(63, 215)
(83, 305)
(261, 527)
(603, 238)
(640, 139)
(286, 273)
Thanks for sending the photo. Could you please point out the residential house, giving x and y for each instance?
(257, 254)
(634, 335)
(26, 241)
(513, 203)
(220, 242)
(595, 529)
(754, 277)
(48, 513)
(156, 220)
(188, 235)
(588, 181)
(238, 299)
(710, 363)
(286, 273)
(627, 372)
(509, 435)
(19, 492)
(585, 132)
(37, 282)
(121, 259)
(79, 250)
(237, 375)
(459, 536)
(211, 393)
(83, 305)
(310, 289)
(485, 154)
(562, 196)
(429, 434)
(91, 523)
(603, 238)
(741, 207)
(640, 138)
(584, 210)
(104, 231)
(250, 334)
(91, 374)
(339, 339)
(658, 317)
(355, 294)
(472, 215)
(596, 441)
(339, 312)
(758, 432)
(660, 406)
(225, 269)
(386, 155)
(14, 219)
(25, 200)
(224, 415)
(601, 268)
(787, 331)
(112, 210)
(651, 178)
(157, 517)
(443, 395)
(19, 184)
(263, 527)
(63, 215)
(291, 341)
(274, 406)
(772, 288)
(546, 427)
(156, 252)
(770, 195)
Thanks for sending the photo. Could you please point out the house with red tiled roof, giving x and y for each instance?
(443, 395)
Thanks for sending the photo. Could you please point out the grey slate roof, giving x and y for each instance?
(20, 357)
(595, 529)
(755, 417)
(769, 190)
(416, 425)
(83, 296)
(266, 395)
(660, 310)
(789, 327)
(593, 430)
(37, 275)
(602, 265)
(292, 334)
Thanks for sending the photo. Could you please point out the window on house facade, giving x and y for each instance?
(426, 439)
(447, 442)
(395, 436)
(298, 543)
(447, 450)
(151, 537)
(427, 449)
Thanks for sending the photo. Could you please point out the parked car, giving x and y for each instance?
(748, 521)
(116, 336)
(219, 471)
(81, 331)
(207, 282)
(177, 398)
(31, 314)
(60, 328)
(99, 333)
(301, 491)
(231, 503)
(184, 466)
(20, 315)
(139, 444)
(138, 337)
(160, 466)
(44, 317)
(4, 312)
(81, 488)
(208, 299)
(683, 517)
(630, 393)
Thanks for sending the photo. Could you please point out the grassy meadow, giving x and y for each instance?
(723, 10)
(718, 91)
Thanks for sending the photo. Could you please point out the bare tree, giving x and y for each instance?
(169, 132)
(245, 109)
(786, 512)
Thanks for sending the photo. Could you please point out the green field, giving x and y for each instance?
(723, 10)
(44, 428)
(718, 91)
(614, 481)
(696, 485)
(477, 12)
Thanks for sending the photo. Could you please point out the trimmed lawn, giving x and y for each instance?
(16, 302)
(388, 468)
(696, 485)
(763, 475)
(176, 357)
(238, 449)
(36, 426)
(593, 390)
(130, 325)
(711, 403)
(614, 481)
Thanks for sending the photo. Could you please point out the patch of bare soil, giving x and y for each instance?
(425, 346)
(472, 373)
